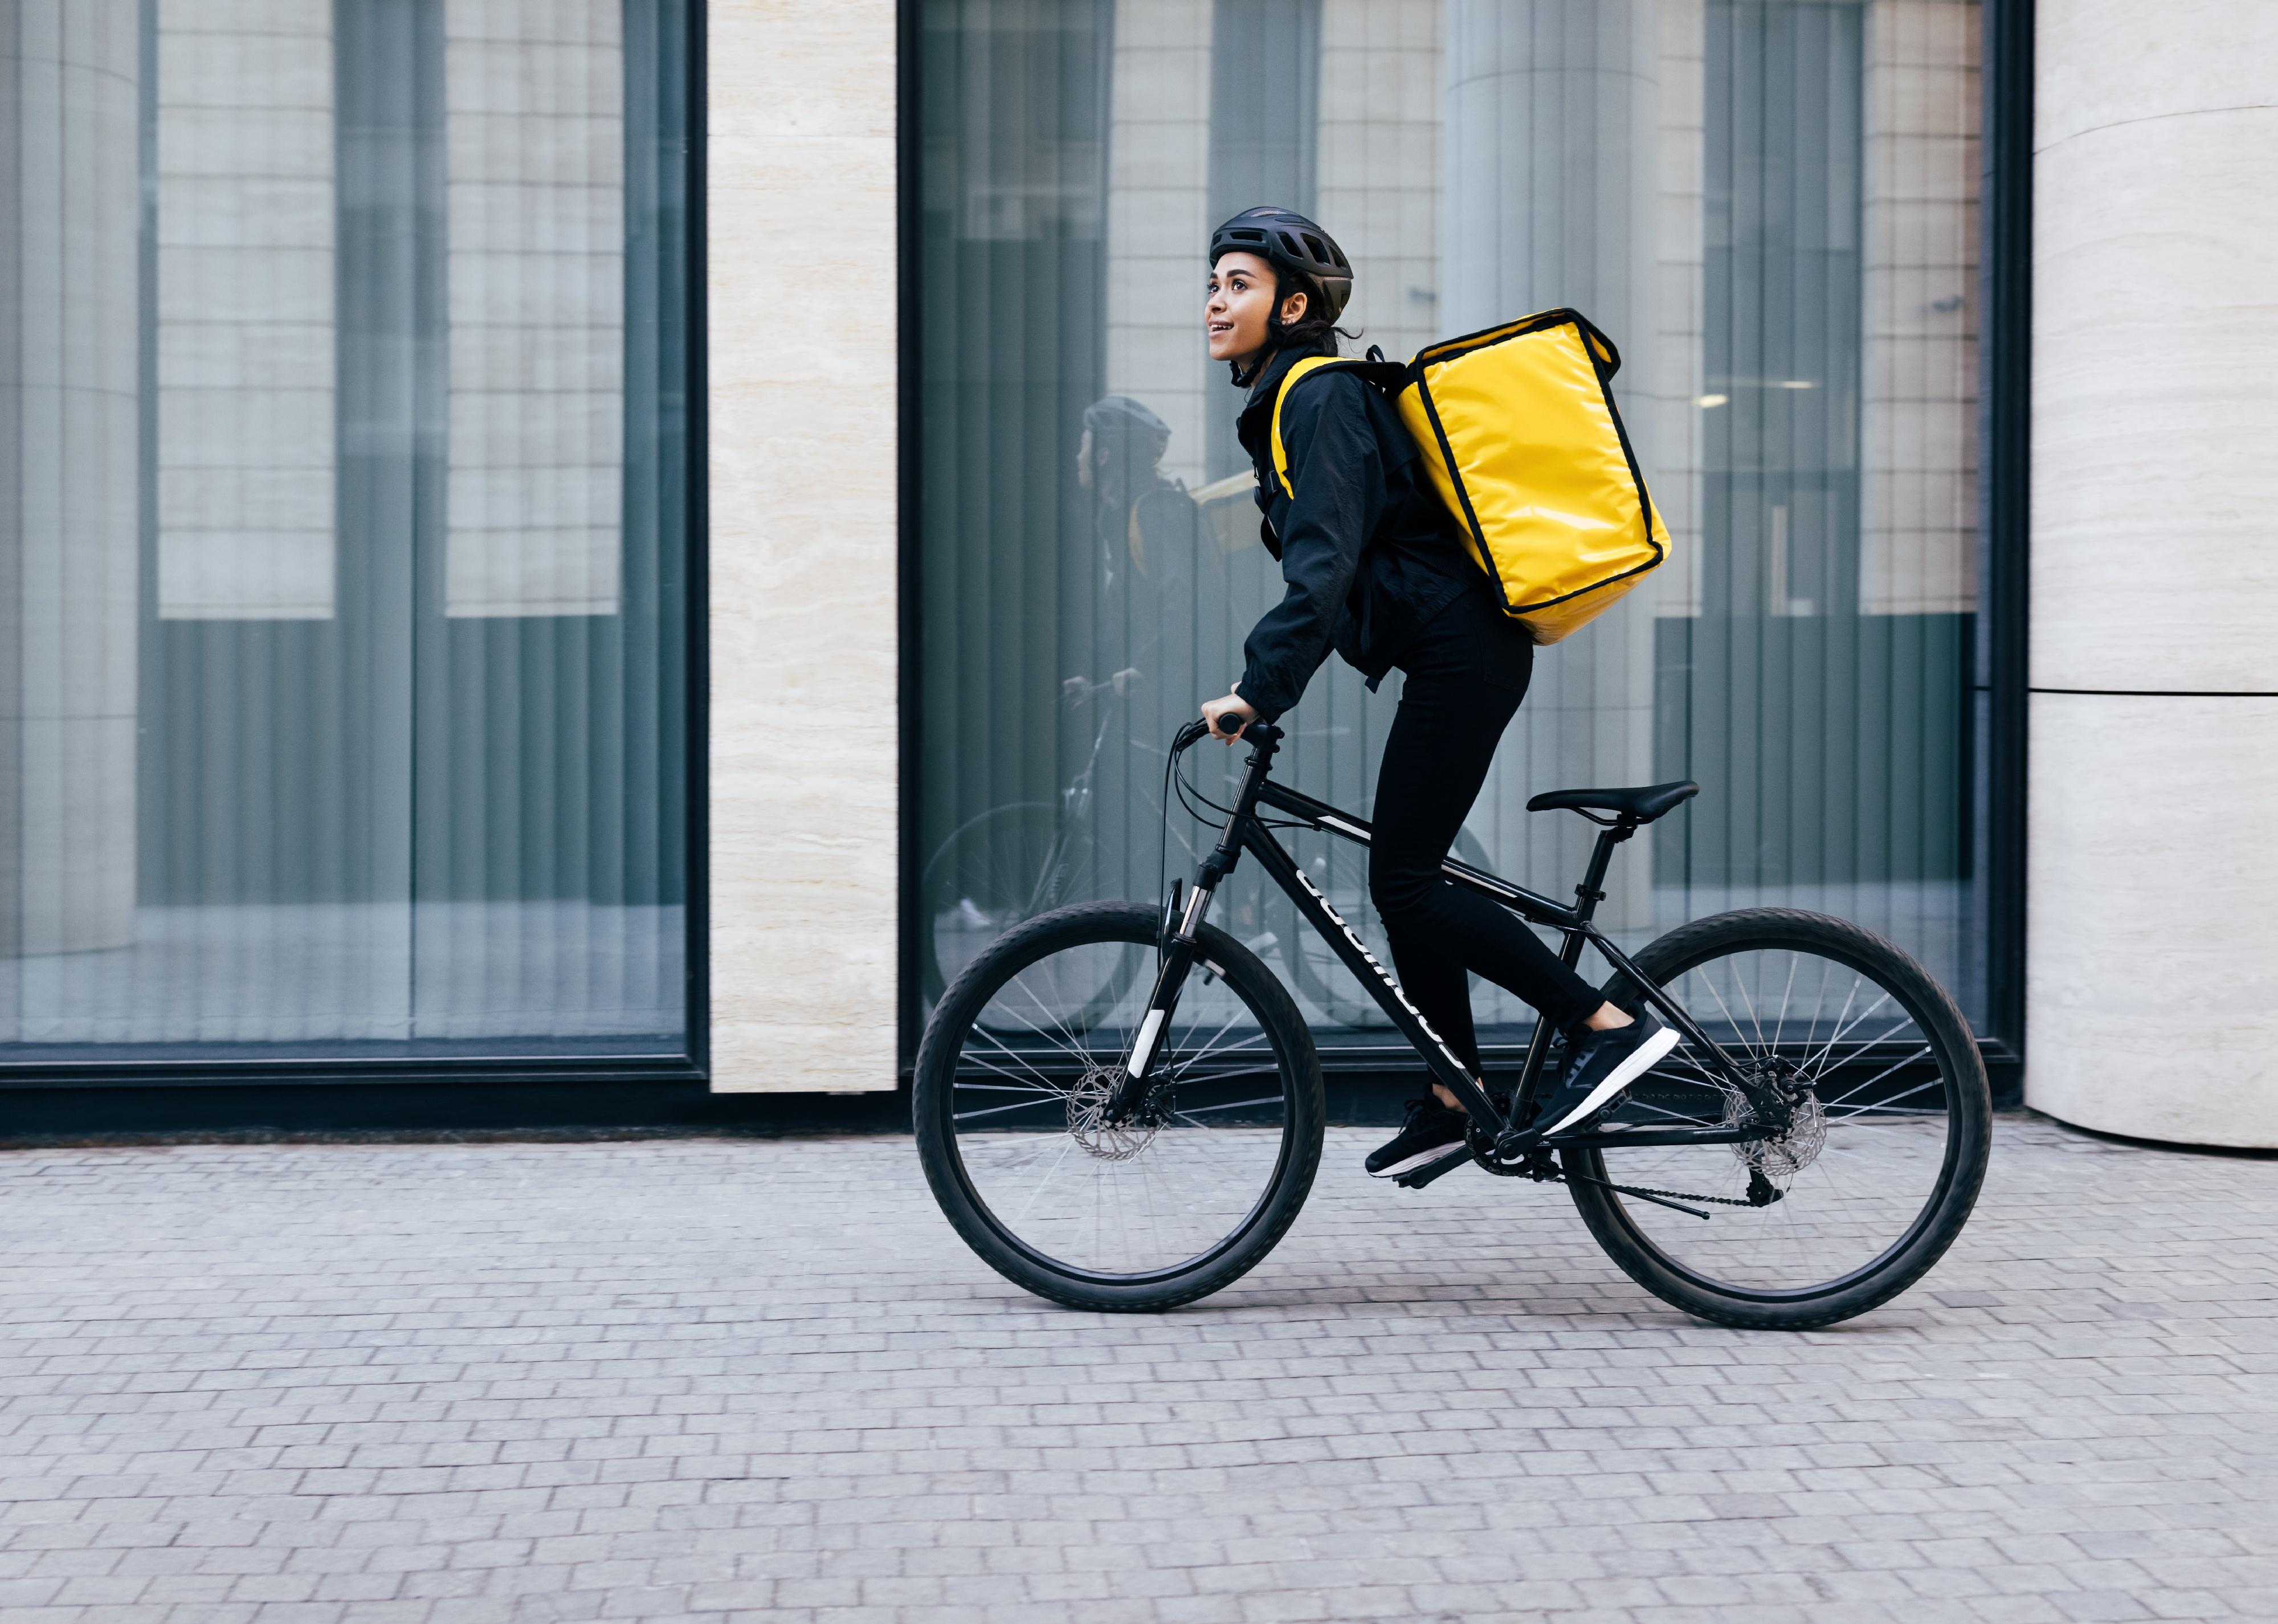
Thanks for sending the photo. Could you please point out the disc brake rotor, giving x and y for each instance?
(1795, 1147)
(1087, 1117)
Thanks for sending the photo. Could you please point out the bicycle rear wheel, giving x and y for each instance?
(1874, 1175)
(1178, 1201)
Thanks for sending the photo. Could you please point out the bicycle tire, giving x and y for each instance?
(965, 1153)
(1879, 1135)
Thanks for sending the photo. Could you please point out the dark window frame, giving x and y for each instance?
(2005, 469)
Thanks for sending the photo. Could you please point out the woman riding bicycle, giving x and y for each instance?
(1377, 570)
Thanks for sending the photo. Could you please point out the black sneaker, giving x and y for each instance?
(1603, 1064)
(1432, 1131)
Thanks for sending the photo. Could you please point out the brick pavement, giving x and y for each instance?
(761, 1379)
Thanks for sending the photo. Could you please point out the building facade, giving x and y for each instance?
(623, 539)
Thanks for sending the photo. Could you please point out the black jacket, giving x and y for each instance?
(1369, 551)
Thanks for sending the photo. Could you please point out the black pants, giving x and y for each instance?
(1466, 673)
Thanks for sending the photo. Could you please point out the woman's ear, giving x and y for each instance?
(1293, 309)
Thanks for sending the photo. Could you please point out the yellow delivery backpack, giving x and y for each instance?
(1525, 446)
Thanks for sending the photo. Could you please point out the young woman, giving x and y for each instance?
(1376, 569)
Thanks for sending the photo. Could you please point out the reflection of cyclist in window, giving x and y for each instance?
(1375, 569)
(1143, 536)
(1143, 532)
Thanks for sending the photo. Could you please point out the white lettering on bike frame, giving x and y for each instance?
(1449, 867)
(1382, 974)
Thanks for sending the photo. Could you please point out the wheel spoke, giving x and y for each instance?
(1877, 1077)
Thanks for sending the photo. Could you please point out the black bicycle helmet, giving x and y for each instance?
(1289, 242)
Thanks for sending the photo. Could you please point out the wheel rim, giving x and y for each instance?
(1862, 1171)
(1130, 1203)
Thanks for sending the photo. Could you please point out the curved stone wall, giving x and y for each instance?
(2153, 912)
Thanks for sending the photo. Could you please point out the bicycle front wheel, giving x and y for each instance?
(1176, 1202)
(1868, 1182)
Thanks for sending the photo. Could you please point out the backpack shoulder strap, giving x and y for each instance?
(1380, 374)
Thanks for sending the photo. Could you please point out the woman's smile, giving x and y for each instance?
(1236, 316)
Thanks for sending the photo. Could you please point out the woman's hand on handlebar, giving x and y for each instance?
(1227, 717)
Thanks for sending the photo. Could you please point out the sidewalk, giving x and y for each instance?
(737, 1379)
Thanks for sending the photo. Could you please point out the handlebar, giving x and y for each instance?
(1198, 729)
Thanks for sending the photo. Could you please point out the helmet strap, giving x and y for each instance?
(1244, 380)
(1276, 335)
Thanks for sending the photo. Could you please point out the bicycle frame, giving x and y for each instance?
(1245, 831)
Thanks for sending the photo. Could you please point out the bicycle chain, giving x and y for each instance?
(1539, 1166)
(1675, 1195)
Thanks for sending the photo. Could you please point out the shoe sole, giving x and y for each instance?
(1423, 1158)
(1649, 1055)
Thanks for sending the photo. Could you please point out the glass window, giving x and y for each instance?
(1772, 206)
(342, 494)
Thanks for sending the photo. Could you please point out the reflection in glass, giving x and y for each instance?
(341, 483)
(1771, 206)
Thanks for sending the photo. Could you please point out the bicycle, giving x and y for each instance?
(1810, 1148)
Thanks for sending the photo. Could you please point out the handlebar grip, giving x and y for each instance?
(1231, 716)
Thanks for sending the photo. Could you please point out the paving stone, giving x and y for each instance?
(729, 1380)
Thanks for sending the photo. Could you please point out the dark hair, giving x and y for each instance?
(1312, 334)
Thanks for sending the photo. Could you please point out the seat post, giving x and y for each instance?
(1591, 891)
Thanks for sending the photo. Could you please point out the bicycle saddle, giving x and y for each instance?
(1641, 805)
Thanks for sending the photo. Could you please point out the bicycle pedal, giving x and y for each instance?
(1598, 1124)
(1430, 1170)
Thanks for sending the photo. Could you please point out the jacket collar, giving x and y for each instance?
(1254, 424)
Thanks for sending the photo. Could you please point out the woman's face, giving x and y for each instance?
(1241, 300)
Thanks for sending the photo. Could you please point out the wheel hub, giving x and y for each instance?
(1791, 1145)
(1089, 1123)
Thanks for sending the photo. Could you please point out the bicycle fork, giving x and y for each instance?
(1181, 943)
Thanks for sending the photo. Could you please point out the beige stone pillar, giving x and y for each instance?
(1668, 423)
(2151, 924)
(70, 483)
(1918, 403)
(1379, 164)
(804, 363)
(246, 333)
(1157, 218)
(1528, 224)
(534, 146)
